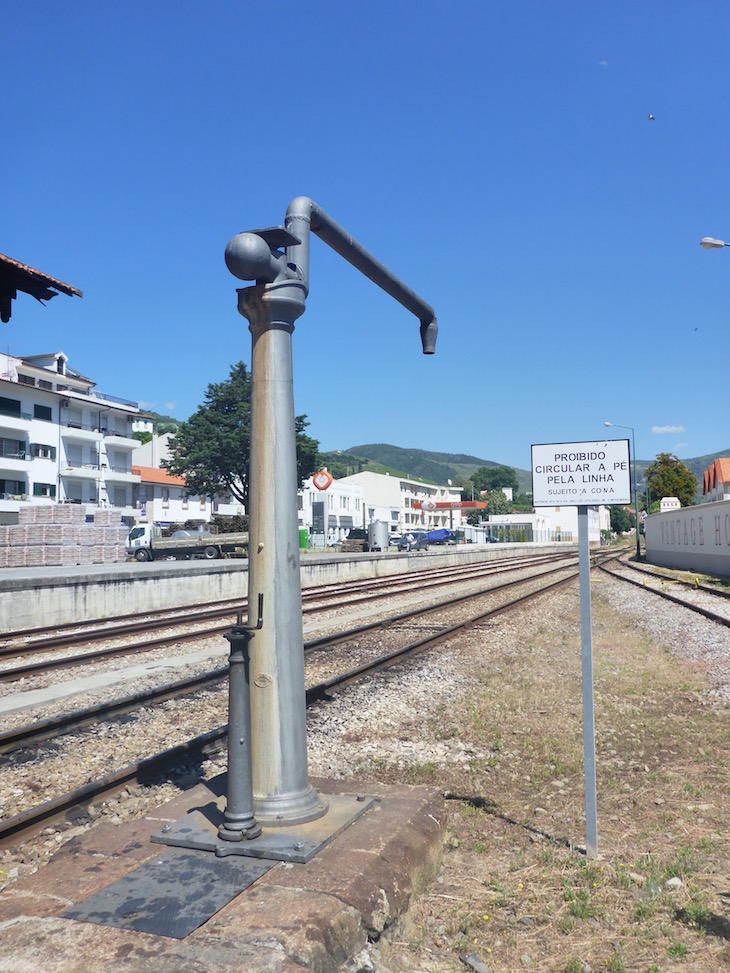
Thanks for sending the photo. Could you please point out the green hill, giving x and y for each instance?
(418, 464)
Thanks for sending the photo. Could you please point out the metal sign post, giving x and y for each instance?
(583, 475)
(586, 655)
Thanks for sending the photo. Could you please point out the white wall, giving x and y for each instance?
(691, 538)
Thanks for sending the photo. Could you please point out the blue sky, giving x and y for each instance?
(498, 157)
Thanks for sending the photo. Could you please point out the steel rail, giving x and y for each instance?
(84, 658)
(104, 629)
(32, 819)
(705, 612)
(43, 730)
(695, 585)
(49, 729)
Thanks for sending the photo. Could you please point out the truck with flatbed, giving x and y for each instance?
(146, 542)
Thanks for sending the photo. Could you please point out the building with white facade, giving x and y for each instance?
(331, 512)
(564, 520)
(61, 440)
(390, 499)
(144, 424)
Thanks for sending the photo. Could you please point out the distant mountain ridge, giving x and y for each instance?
(421, 464)
(433, 467)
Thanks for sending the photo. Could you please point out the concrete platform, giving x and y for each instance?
(294, 917)
(33, 597)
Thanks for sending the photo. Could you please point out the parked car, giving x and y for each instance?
(394, 540)
(414, 540)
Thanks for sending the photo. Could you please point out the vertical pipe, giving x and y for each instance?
(239, 822)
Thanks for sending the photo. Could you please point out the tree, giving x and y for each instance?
(212, 449)
(621, 519)
(497, 503)
(494, 478)
(307, 450)
(670, 477)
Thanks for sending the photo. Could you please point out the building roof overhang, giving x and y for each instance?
(15, 276)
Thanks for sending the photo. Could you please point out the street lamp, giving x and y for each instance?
(618, 425)
(710, 243)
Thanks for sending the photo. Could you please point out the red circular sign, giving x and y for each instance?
(322, 480)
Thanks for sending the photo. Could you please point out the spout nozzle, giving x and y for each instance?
(429, 330)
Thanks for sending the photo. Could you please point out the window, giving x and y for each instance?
(12, 448)
(9, 407)
(202, 503)
(11, 488)
(43, 412)
(44, 490)
(185, 501)
(44, 384)
(26, 379)
(165, 497)
(40, 451)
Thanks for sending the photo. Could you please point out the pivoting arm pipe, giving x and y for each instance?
(304, 215)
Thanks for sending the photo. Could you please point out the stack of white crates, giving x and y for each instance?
(58, 535)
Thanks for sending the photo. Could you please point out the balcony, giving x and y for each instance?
(121, 474)
(120, 440)
(12, 464)
(80, 432)
(14, 420)
(81, 471)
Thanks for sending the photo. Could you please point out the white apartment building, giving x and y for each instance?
(61, 440)
(339, 508)
(390, 499)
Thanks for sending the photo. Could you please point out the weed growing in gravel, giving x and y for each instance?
(579, 903)
(677, 950)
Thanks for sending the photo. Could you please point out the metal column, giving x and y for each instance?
(282, 793)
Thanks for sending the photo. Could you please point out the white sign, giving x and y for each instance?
(581, 474)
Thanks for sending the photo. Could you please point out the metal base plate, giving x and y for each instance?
(172, 894)
(298, 843)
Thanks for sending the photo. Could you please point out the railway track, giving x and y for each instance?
(25, 641)
(190, 625)
(658, 579)
(31, 820)
(41, 731)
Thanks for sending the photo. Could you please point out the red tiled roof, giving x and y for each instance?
(30, 273)
(718, 472)
(151, 474)
(15, 276)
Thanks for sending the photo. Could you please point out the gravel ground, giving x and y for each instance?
(393, 723)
